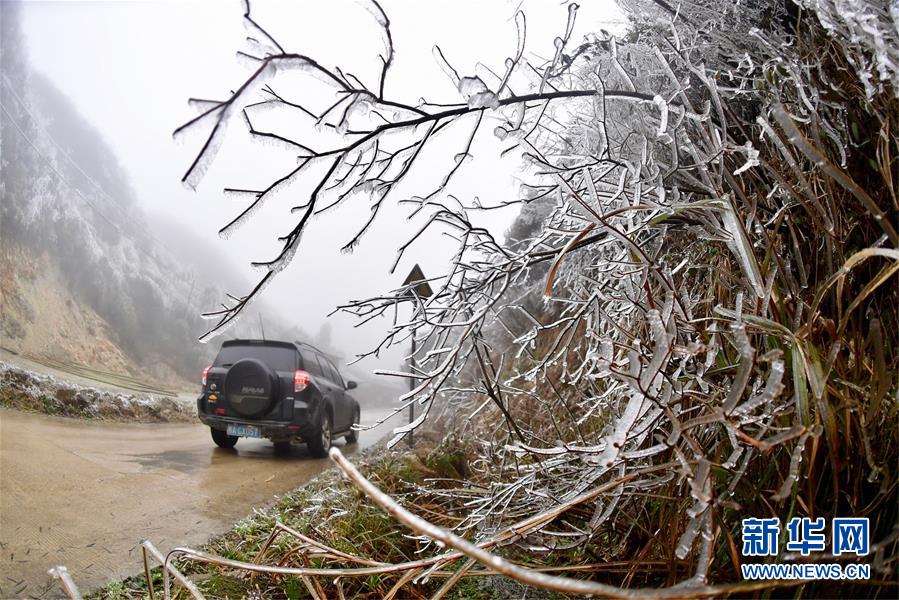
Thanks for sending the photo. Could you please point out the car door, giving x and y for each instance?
(320, 376)
(341, 400)
(331, 394)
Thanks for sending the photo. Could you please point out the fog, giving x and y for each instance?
(130, 67)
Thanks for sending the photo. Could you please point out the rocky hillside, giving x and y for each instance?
(41, 316)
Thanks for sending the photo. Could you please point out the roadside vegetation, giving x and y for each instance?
(692, 323)
(335, 513)
(28, 391)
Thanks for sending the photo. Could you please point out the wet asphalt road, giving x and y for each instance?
(84, 494)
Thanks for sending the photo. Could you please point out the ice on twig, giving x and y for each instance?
(476, 93)
(752, 158)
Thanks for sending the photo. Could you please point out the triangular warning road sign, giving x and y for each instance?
(423, 290)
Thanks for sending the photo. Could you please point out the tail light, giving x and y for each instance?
(301, 380)
(205, 373)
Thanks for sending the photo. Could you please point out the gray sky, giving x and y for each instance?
(129, 67)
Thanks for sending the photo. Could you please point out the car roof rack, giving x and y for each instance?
(257, 342)
(308, 345)
(333, 358)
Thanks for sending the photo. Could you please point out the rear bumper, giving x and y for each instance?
(273, 430)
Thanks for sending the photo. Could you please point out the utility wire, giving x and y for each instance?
(124, 214)
(81, 195)
(62, 178)
(24, 106)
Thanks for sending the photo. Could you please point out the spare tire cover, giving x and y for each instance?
(251, 388)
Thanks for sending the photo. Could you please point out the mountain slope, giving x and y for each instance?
(40, 316)
(82, 268)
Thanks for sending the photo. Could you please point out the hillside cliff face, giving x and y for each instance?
(40, 316)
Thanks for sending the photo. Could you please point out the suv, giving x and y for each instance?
(276, 390)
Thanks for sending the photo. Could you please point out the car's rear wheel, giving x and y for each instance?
(319, 443)
(353, 436)
(222, 439)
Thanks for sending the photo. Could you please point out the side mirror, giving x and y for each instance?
(351, 385)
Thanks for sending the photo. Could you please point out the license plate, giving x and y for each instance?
(243, 430)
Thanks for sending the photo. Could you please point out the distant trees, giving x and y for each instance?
(63, 193)
(699, 294)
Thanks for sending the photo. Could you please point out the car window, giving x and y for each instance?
(310, 363)
(325, 368)
(335, 374)
(276, 357)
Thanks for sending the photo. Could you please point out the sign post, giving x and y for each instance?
(418, 287)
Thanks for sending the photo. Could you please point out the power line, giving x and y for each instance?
(122, 212)
(99, 211)
(46, 160)
(47, 134)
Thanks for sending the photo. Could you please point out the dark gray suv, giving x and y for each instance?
(282, 391)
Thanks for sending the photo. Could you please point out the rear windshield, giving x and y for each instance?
(279, 359)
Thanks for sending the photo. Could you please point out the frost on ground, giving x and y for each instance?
(29, 391)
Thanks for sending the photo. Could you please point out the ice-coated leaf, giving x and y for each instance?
(685, 542)
(636, 406)
(773, 388)
(602, 513)
(572, 15)
(744, 370)
(742, 249)
(444, 65)
(793, 474)
(521, 30)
